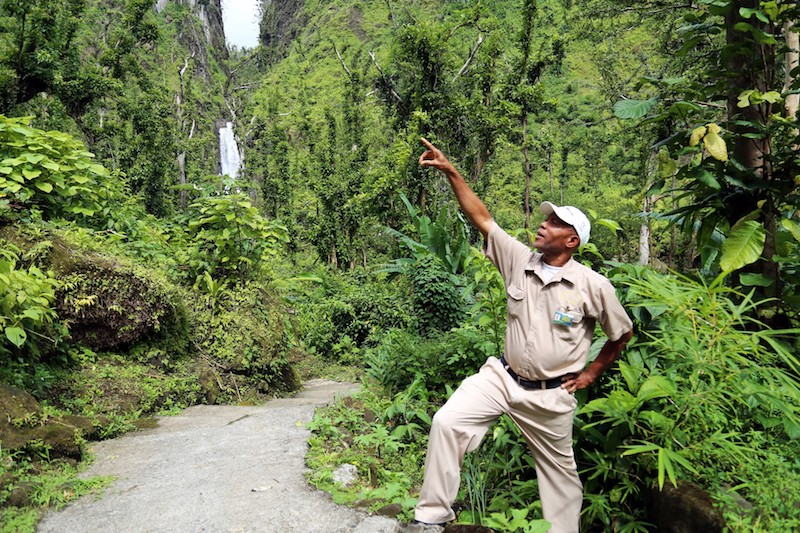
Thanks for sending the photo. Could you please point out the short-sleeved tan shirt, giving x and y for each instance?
(550, 326)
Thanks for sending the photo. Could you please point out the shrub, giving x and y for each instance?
(436, 296)
(51, 172)
(401, 357)
(31, 331)
(242, 340)
(348, 311)
(109, 303)
(228, 238)
(703, 386)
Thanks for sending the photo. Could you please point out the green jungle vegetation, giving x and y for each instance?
(135, 281)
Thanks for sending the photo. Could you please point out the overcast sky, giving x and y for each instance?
(240, 18)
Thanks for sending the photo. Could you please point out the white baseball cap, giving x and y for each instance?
(572, 216)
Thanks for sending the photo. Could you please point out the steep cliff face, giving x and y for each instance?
(211, 36)
(281, 22)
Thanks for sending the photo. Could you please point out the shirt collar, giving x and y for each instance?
(567, 272)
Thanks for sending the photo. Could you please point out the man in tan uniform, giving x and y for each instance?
(554, 303)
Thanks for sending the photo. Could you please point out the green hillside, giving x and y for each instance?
(136, 281)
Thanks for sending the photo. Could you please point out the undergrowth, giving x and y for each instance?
(32, 487)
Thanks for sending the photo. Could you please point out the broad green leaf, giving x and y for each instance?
(762, 37)
(792, 428)
(16, 335)
(744, 98)
(683, 108)
(99, 170)
(792, 227)
(756, 280)
(634, 109)
(707, 178)
(657, 421)
(656, 387)
(743, 245)
(44, 186)
(630, 375)
(747, 12)
(771, 9)
(32, 158)
(34, 314)
(613, 225)
(485, 320)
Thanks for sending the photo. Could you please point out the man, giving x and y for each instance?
(553, 305)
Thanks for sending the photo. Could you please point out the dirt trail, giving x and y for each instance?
(216, 469)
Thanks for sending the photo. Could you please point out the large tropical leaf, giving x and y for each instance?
(743, 246)
(634, 109)
(792, 227)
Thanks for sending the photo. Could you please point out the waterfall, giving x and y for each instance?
(229, 160)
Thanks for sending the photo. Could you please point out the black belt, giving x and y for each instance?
(529, 384)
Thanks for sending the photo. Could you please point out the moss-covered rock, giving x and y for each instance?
(25, 428)
(108, 304)
(243, 345)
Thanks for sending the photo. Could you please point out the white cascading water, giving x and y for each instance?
(229, 159)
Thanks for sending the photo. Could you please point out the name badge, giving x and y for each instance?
(563, 319)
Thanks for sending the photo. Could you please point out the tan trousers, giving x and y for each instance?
(545, 418)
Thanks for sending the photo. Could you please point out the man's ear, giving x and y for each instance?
(573, 242)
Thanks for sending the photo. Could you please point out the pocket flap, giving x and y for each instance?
(515, 293)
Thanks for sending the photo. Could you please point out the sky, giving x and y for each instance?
(240, 20)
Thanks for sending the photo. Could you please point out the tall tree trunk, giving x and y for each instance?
(792, 62)
(527, 169)
(644, 234)
(754, 65)
(752, 71)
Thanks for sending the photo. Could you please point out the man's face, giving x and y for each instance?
(555, 236)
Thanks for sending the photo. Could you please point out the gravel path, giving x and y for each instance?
(216, 469)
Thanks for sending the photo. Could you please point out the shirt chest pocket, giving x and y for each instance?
(516, 299)
(569, 324)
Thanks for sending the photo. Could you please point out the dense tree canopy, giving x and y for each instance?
(672, 125)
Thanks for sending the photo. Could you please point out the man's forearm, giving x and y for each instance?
(608, 354)
(471, 205)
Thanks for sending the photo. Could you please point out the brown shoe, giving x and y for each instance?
(423, 527)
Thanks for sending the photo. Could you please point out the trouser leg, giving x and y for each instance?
(547, 426)
(457, 428)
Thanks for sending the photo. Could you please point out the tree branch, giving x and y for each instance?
(385, 79)
(344, 66)
(471, 56)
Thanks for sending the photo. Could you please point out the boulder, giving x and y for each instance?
(25, 428)
(108, 304)
(684, 509)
